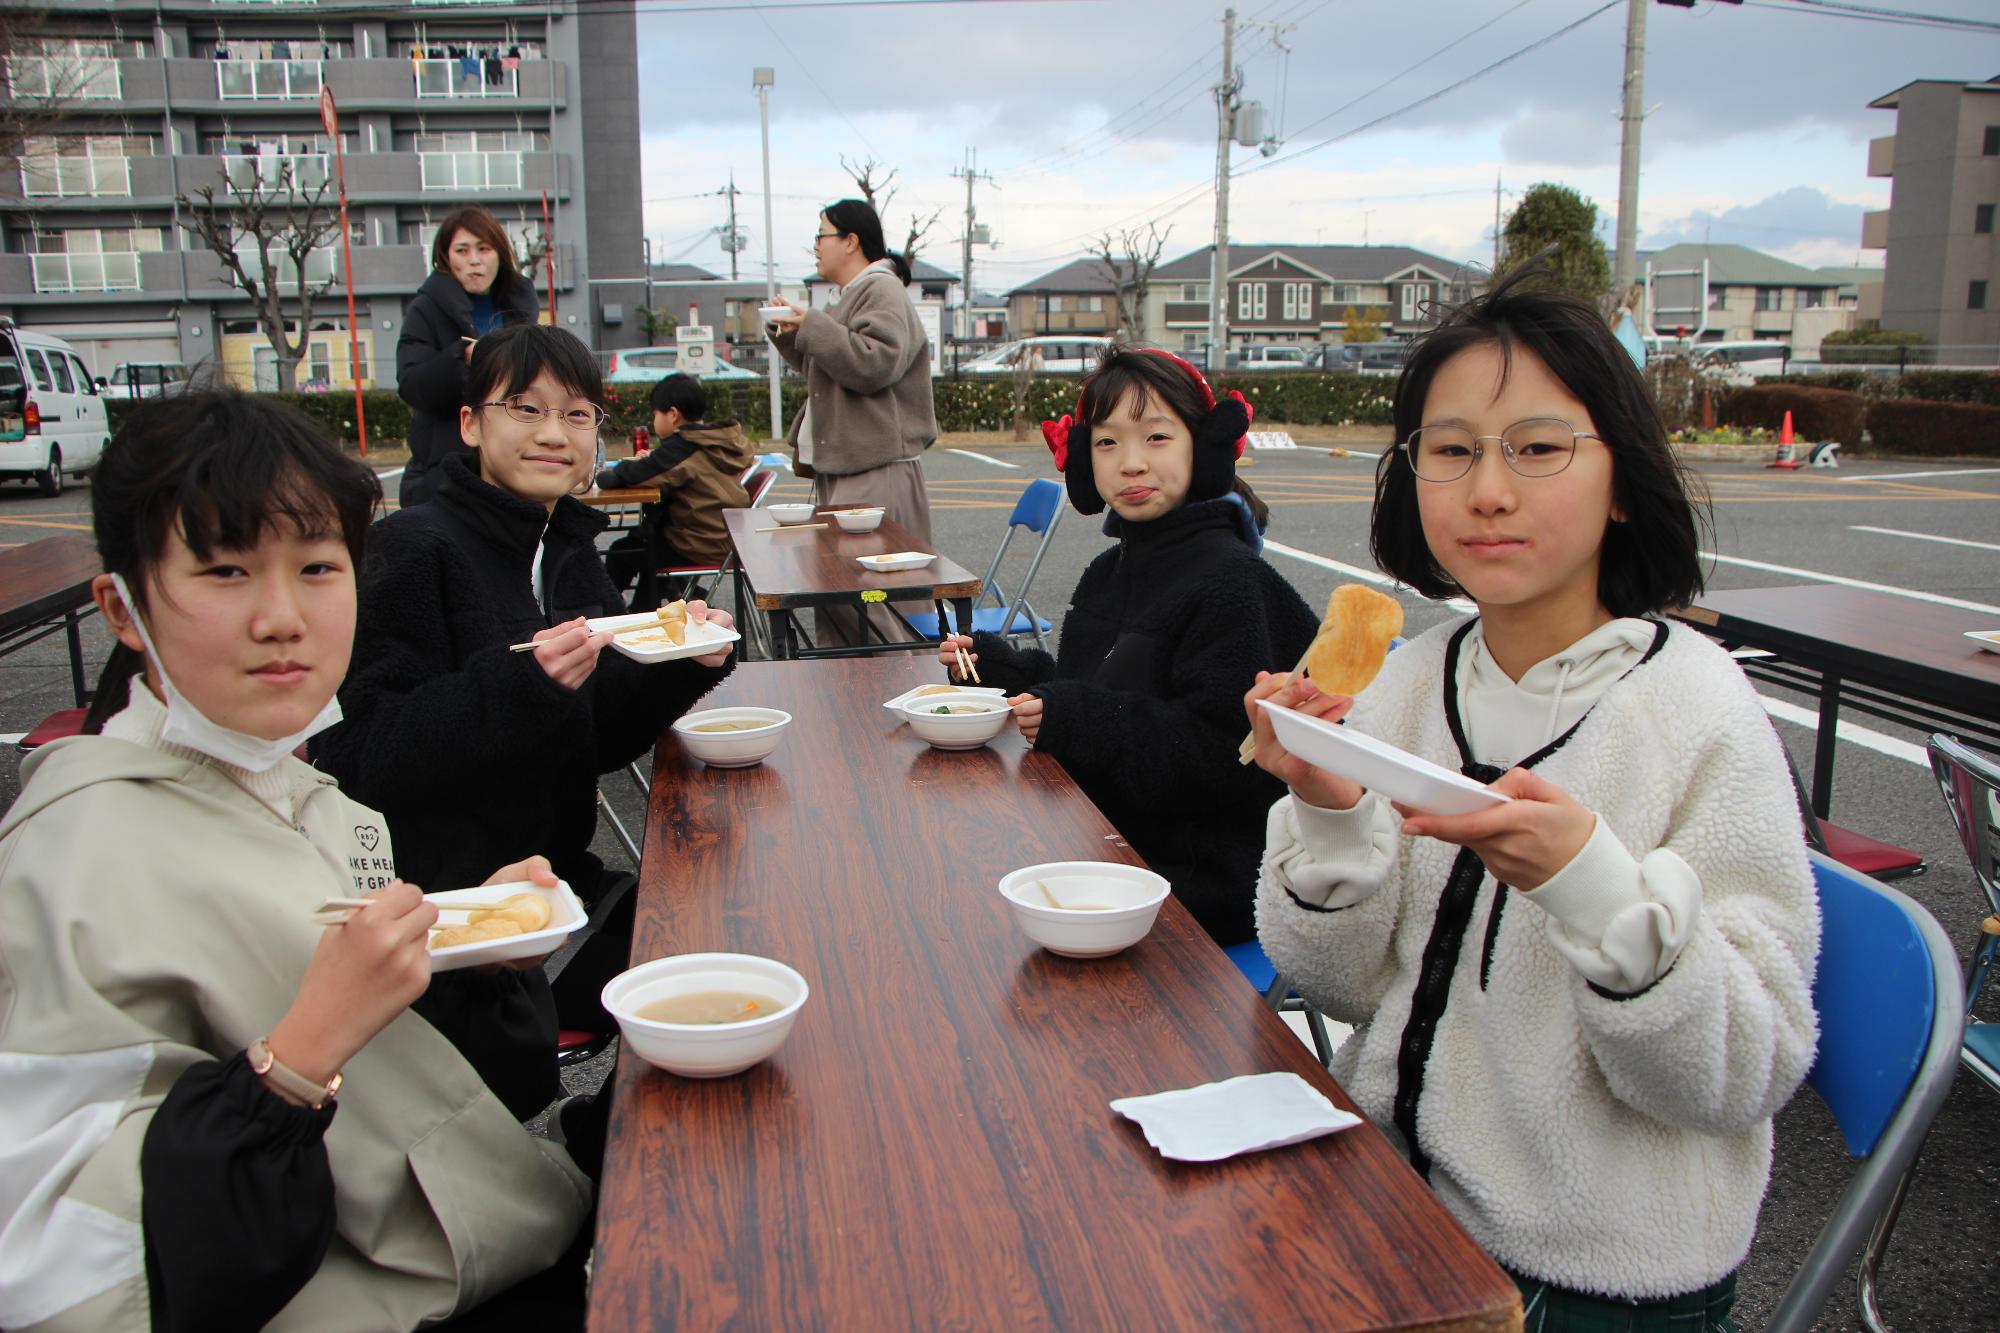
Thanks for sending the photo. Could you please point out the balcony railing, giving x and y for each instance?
(117, 272)
(62, 77)
(472, 171)
(247, 173)
(449, 78)
(247, 79)
(64, 177)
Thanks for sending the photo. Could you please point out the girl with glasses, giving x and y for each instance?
(468, 748)
(1578, 1011)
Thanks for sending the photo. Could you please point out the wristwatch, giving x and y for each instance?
(287, 1080)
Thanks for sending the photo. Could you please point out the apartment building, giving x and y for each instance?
(1942, 242)
(442, 103)
(1732, 293)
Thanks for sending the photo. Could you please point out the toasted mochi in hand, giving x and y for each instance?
(1353, 639)
(674, 620)
(526, 910)
(492, 928)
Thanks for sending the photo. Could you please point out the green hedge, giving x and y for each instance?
(388, 415)
(1952, 386)
(1912, 426)
(1817, 414)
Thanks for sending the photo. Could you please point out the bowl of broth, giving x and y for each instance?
(1084, 909)
(859, 520)
(789, 514)
(705, 1015)
(732, 737)
(957, 720)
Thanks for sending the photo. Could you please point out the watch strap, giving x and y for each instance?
(287, 1080)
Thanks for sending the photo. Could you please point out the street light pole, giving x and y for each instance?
(1625, 264)
(761, 79)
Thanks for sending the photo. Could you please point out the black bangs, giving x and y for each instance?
(507, 362)
(1126, 368)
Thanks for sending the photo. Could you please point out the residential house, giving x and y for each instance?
(1748, 295)
(1302, 293)
(1942, 275)
(1860, 291)
(441, 105)
(689, 294)
(1076, 298)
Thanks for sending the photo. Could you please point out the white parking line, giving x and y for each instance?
(1374, 576)
(1866, 738)
(1947, 472)
(392, 472)
(1924, 537)
(985, 458)
(1819, 577)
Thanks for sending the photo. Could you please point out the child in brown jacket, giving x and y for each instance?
(697, 467)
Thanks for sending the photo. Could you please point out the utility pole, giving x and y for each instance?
(1624, 266)
(732, 239)
(761, 78)
(1496, 222)
(971, 174)
(1225, 129)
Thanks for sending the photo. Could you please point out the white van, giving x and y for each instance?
(1071, 354)
(52, 419)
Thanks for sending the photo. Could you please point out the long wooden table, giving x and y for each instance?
(45, 589)
(1896, 658)
(783, 571)
(933, 1147)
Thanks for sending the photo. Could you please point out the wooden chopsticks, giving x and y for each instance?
(336, 911)
(791, 527)
(966, 668)
(1248, 750)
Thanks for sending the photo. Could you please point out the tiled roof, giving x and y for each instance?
(1738, 266)
(1341, 263)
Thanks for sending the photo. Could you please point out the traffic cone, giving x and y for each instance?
(1785, 459)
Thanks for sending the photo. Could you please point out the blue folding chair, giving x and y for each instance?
(1970, 785)
(1038, 510)
(1278, 994)
(1887, 994)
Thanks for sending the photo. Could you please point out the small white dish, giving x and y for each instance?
(645, 641)
(732, 749)
(859, 520)
(704, 1050)
(895, 705)
(974, 720)
(1989, 639)
(771, 314)
(566, 914)
(1127, 899)
(789, 514)
(884, 564)
(1380, 767)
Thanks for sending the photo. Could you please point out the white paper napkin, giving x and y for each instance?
(1237, 1115)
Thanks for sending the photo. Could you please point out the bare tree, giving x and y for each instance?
(281, 214)
(1128, 265)
(40, 85)
(878, 190)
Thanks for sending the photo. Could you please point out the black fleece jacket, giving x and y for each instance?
(1143, 705)
(430, 373)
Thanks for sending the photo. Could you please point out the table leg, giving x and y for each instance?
(784, 642)
(70, 622)
(649, 573)
(961, 610)
(1829, 722)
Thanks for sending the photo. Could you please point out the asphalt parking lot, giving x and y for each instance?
(1929, 530)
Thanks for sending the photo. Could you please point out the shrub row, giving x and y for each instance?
(1933, 386)
(1893, 425)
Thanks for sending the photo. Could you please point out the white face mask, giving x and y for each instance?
(188, 726)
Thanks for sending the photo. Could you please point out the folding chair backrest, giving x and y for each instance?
(1038, 506)
(758, 482)
(1970, 785)
(1037, 510)
(1887, 993)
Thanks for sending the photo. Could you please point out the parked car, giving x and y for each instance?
(52, 419)
(1068, 354)
(1382, 357)
(1270, 356)
(650, 365)
(144, 379)
(1742, 363)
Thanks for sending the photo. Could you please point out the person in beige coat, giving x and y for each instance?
(869, 411)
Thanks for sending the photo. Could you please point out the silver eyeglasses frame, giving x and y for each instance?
(1507, 452)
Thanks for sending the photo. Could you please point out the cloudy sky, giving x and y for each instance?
(1097, 114)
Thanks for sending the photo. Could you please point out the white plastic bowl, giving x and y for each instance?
(790, 514)
(957, 731)
(859, 520)
(1130, 895)
(733, 749)
(707, 1050)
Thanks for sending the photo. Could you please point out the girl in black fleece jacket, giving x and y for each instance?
(1143, 705)
(465, 746)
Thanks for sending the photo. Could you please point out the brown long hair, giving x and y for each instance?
(473, 218)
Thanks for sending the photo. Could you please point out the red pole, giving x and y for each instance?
(329, 116)
(549, 239)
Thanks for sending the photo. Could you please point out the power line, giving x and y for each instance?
(1174, 83)
(1432, 97)
(1902, 18)
(807, 71)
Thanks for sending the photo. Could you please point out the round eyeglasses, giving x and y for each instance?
(1537, 447)
(532, 413)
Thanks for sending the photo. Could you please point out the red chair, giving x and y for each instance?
(758, 481)
(68, 722)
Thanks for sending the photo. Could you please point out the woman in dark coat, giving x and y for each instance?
(474, 288)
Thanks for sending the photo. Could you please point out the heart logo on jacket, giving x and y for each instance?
(368, 836)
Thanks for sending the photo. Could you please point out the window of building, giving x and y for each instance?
(1975, 296)
(1770, 298)
(1343, 293)
(1094, 305)
(1298, 297)
(1194, 291)
(1415, 296)
(1718, 298)
(1982, 219)
(1812, 298)
(1250, 300)
(1992, 148)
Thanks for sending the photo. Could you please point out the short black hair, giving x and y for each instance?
(1124, 368)
(221, 469)
(1652, 559)
(858, 218)
(506, 362)
(683, 394)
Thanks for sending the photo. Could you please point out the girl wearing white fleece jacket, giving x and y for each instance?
(1577, 1011)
